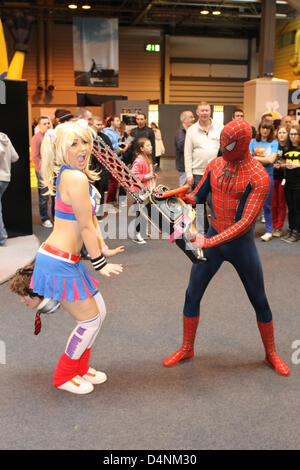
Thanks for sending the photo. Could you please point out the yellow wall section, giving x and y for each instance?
(282, 68)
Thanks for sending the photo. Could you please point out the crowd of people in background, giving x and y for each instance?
(275, 144)
(128, 146)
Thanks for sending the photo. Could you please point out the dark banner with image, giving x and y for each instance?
(96, 52)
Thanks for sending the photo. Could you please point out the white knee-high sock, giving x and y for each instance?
(101, 306)
(85, 333)
(102, 314)
(81, 337)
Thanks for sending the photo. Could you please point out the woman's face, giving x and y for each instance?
(295, 138)
(78, 153)
(265, 132)
(147, 147)
(282, 134)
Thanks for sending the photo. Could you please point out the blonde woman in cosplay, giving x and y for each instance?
(58, 273)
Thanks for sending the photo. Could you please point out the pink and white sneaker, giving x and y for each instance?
(95, 376)
(77, 385)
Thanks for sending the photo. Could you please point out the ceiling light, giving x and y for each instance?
(86, 6)
(204, 12)
(216, 12)
(72, 6)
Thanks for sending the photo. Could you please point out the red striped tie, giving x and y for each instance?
(37, 323)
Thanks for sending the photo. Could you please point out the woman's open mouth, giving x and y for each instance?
(81, 158)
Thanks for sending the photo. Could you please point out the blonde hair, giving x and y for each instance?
(54, 150)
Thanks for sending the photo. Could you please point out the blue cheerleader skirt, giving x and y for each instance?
(59, 279)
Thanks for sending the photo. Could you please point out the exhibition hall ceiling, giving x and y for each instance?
(218, 18)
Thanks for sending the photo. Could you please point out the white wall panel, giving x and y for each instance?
(196, 71)
(226, 70)
(208, 48)
(190, 70)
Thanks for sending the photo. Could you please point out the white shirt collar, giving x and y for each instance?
(210, 125)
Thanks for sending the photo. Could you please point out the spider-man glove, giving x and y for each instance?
(197, 239)
(187, 198)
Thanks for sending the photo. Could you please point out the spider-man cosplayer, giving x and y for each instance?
(239, 186)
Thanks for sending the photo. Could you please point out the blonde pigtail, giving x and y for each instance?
(49, 169)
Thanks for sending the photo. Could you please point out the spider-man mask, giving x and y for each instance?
(235, 140)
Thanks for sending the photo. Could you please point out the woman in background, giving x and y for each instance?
(264, 149)
(142, 167)
(159, 145)
(278, 197)
(291, 165)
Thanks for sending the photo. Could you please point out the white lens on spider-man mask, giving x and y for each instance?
(235, 139)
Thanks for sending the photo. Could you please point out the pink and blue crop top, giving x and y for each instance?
(65, 211)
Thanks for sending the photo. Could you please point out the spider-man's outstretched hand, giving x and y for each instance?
(197, 239)
(188, 199)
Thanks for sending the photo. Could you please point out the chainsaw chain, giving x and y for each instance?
(119, 170)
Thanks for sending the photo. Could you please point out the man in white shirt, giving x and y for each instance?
(187, 119)
(202, 144)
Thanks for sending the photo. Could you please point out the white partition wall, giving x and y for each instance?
(263, 95)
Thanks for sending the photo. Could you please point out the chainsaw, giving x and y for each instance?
(162, 207)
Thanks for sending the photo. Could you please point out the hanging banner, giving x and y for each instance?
(96, 52)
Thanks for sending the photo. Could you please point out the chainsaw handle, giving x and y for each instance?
(174, 192)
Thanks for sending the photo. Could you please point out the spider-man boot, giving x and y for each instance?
(186, 351)
(267, 336)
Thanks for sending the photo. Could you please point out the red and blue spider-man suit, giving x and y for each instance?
(239, 186)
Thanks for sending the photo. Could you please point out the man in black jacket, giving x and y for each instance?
(187, 118)
(142, 131)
